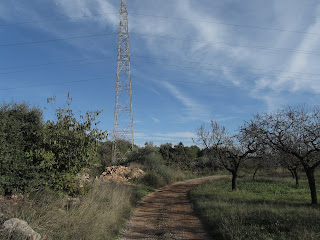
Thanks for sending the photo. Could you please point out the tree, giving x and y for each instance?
(20, 137)
(291, 163)
(294, 131)
(69, 145)
(231, 151)
(166, 151)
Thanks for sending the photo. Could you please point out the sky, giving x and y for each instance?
(192, 61)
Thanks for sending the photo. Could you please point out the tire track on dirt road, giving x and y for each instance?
(167, 214)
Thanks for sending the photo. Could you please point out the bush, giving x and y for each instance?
(34, 154)
(21, 131)
(70, 144)
(152, 179)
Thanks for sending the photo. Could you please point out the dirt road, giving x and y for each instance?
(167, 214)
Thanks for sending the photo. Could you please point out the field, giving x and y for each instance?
(267, 208)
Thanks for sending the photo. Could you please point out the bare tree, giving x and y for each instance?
(291, 163)
(294, 131)
(231, 151)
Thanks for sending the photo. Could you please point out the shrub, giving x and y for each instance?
(21, 132)
(34, 154)
(152, 179)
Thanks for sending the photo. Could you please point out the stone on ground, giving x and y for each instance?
(18, 225)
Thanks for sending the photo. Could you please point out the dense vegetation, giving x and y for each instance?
(35, 154)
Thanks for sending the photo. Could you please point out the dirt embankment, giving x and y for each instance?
(167, 214)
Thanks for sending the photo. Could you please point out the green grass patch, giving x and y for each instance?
(261, 209)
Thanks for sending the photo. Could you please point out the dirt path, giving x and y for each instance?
(167, 214)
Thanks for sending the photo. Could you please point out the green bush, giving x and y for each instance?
(152, 179)
(21, 131)
(34, 154)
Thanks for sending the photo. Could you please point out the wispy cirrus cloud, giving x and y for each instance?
(155, 120)
(192, 110)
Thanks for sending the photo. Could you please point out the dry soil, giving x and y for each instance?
(167, 214)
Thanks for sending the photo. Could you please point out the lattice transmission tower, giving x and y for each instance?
(123, 120)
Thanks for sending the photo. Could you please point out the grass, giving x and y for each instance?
(99, 214)
(262, 209)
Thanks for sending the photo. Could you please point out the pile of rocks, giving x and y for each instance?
(121, 174)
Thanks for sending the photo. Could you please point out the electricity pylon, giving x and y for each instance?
(123, 120)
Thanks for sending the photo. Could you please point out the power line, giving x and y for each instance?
(247, 73)
(54, 63)
(232, 66)
(161, 80)
(56, 39)
(227, 24)
(49, 84)
(169, 38)
(225, 43)
(165, 64)
(66, 18)
(54, 67)
(63, 19)
(145, 57)
(226, 86)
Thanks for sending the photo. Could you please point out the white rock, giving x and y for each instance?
(16, 224)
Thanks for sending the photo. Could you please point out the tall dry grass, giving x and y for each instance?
(99, 214)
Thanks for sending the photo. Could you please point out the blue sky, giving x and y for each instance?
(192, 61)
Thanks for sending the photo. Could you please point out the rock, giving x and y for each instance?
(18, 225)
(121, 174)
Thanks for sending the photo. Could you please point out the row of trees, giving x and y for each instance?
(178, 155)
(290, 136)
(35, 153)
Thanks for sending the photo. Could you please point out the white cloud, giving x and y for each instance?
(294, 64)
(192, 109)
(156, 120)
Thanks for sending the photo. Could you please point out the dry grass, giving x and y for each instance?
(99, 214)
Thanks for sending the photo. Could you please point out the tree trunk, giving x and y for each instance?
(254, 174)
(292, 173)
(234, 181)
(312, 184)
(296, 176)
